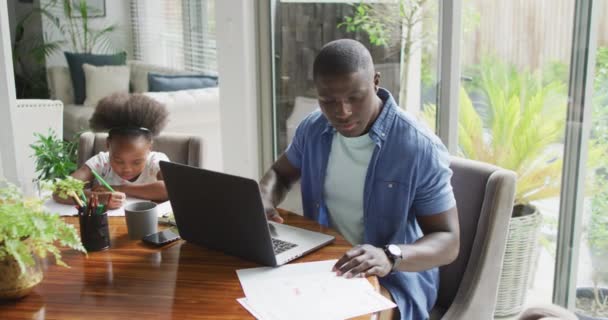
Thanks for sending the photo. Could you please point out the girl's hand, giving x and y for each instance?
(114, 200)
(100, 188)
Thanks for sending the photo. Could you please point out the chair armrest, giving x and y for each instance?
(476, 296)
(60, 84)
(86, 146)
(196, 147)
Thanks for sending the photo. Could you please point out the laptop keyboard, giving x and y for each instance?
(280, 245)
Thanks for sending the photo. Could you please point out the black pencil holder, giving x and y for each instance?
(94, 232)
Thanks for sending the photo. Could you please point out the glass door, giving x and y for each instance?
(512, 113)
(591, 287)
(400, 34)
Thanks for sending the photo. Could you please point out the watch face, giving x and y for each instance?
(394, 250)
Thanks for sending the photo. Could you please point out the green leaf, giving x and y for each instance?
(514, 125)
(27, 231)
(54, 157)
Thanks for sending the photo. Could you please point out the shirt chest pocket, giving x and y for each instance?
(390, 198)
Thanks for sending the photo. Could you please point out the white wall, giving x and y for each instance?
(7, 99)
(237, 65)
(117, 12)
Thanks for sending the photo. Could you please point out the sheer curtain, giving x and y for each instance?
(175, 33)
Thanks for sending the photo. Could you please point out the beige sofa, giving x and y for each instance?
(193, 112)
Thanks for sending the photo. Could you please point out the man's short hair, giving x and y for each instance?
(341, 57)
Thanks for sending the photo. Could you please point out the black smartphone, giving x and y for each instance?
(162, 237)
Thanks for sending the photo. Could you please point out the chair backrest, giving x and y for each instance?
(484, 196)
(179, 148)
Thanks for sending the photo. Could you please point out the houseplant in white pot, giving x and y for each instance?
(27, 234)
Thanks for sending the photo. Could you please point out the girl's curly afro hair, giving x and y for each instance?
(129, 111)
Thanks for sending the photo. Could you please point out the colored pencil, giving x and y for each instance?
(103, 182)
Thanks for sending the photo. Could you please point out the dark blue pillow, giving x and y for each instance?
(161, 82)
(75, 62)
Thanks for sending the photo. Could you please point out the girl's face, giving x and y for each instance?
(128, 156)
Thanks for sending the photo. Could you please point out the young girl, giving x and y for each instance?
(130, 166)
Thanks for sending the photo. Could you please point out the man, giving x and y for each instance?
(373, 173)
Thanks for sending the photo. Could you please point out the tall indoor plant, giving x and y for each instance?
(79, 32)
(65, 31)
(27, 234)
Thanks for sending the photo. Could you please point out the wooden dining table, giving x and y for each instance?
(133, 280)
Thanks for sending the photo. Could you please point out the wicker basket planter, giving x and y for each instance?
(518, 262)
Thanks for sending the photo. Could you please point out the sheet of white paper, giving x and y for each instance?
(70, 210)
(61, 209)
(309, 291)
(248, 307)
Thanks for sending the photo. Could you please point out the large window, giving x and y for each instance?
(178, 34)
(513, 104)
(403, 44)
(591, 292)
(516, 94)
(405, 59)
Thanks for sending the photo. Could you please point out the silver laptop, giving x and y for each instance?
(225, 213)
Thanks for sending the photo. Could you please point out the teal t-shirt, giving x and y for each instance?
(346, 170)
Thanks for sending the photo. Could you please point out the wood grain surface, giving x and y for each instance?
(132, 280)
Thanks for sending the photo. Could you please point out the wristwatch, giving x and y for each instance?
(393, 252)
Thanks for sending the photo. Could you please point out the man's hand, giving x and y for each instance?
(271, 212)
(275, 184)
(366, 260)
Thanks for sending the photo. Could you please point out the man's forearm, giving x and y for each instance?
(154, 191)
(272, 188)
(432, 250)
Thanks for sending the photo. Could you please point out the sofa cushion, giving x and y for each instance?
(140, 70)
(163, 83)
(103, 81)
(75, 62)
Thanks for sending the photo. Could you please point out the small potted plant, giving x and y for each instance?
(54, 157)
(69, 188)
(27, 234)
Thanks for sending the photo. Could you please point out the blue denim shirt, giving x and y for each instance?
(408, 176)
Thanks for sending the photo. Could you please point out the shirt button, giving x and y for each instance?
(317, 205)
(383, 134)
(390, 185)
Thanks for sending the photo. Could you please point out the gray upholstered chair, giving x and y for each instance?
(179, 148)
(468, 286)
(547, 312)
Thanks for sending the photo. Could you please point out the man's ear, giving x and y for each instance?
(376, 81)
